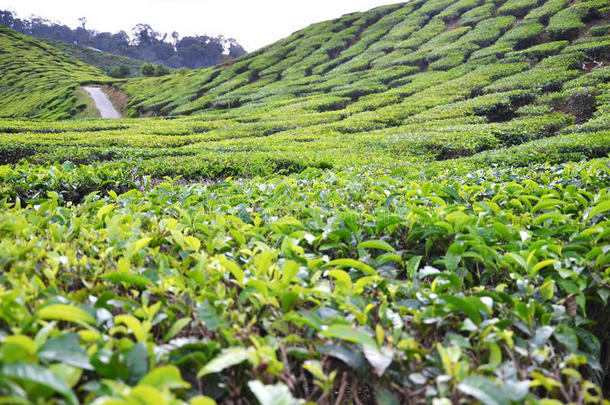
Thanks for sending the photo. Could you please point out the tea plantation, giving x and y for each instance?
(408, 205)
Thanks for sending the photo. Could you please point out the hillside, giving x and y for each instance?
(435, 78)
(447, 51)
(409, 205)
(38, 80)
(439, 78)
(102, 60)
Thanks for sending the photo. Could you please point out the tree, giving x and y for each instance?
(144, 35)
(148, 69)
(175, 37)
(161, 70)
(121, 71)
(145, 44)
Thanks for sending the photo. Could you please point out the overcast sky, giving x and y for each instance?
(253, 23)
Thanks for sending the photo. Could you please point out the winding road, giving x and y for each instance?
(102, 102)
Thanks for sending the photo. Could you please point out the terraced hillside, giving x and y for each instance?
(38, 80)
(405, 206)
(407, 57)
(435, 78)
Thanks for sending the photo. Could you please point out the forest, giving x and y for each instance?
(144, 43)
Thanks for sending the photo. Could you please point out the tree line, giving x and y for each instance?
(144, 44)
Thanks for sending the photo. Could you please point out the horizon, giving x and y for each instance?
(254, 26)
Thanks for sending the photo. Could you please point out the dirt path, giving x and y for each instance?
(102, 102)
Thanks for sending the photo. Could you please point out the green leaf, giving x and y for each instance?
(353, 359)
(134, 248)
(516, 390)
(30, 373)
(18, 348)
(413, 266)
(349, 334)
(227, 358)
(495, 354)
(453, 256)
(384, 397)
(65, 349)
(71, 375)
(193, 243)
(365, 268)
(567, 337)
(600, 208)
(127, 278)
(518, 259)
(61, 312)
(237, 272)
(201, 400)
(388, 220)
(465, 306)
(540, 265)
(277, 394)
(209, 315)
(136, 361)
(547, 290)
(137, 328)
(105, 210)
(341, 277)
(164, 377)
(379, 359)
(483, 389)
(378, 244)
(176, 328)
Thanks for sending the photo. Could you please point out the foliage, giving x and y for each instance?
(147, 69)
(405, 205)
(121, 71)
(101, 60)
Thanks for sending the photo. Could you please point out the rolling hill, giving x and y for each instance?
(397, 54)
(101, 60)
(38, 80)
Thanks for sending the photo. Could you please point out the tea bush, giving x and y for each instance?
(405, 205)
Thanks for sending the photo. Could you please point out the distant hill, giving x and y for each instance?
(144, 44)
(101, 60)
(38, 80)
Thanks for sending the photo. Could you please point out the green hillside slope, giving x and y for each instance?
(435, 78)
(101, 60)
(38, 80)
(398, 61)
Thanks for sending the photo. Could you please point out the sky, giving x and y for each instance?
(253, 23)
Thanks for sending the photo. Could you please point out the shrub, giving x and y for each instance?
(488, 31)
(518, 8)
(452, 60)
(474, 16)
(148, 69)
(593, 48)
(568, 22)
(457, 9)
(525, 34)
(549, 8)
(121, 71)
(600, 30)
(539, 52)
(161, 70)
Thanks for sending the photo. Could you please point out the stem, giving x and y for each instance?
(342, 389)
